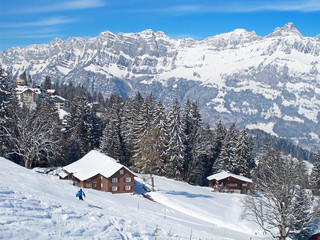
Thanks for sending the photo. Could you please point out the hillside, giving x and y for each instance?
(270, 83)
(39, 206)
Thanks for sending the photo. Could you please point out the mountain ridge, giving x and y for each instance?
(236, 77)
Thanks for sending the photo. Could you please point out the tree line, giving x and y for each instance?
(139, 132)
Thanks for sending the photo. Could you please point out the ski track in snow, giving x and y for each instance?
(39, 206)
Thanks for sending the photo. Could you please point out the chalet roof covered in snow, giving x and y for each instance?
(21, 89)
(94, 163)
(223, 175)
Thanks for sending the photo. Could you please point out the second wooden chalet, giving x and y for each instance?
(228, 182)
(99, 171)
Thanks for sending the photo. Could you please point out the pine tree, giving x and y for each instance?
(47, 83)
(140, 122)
(227, 158)
(175, 165)
(195, 168)
(242, 155)
(315, 174)
(8, 108)
(159, 123)
(202, 150)
(217, 141)
(83, 127)
(189, 138)
(302, 222)
(112, 142)
(127, 130)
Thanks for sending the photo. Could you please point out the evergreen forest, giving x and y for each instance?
(140, 132)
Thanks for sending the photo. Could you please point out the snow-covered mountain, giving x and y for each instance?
(39, 206)
(271, 83)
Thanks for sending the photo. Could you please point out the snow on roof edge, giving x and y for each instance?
(224, 174)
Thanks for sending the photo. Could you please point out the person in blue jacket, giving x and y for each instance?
(80, 194)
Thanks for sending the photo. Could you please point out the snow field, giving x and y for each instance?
(39, 206)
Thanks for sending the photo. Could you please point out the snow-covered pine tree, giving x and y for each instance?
(315, 174)
(209, 143)
(218, 136)
(160, 124)
(141, 122)
(127, 130)
(202, 156)
(242, 155)
(302, 220)
(195, 172)
(112, 142)
(47, 83)
(8, 108)
(175, 151)
(83, 126)
(227, 158)
(189, 137)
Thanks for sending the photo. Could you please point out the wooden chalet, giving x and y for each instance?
(228, 182)
(101, 172)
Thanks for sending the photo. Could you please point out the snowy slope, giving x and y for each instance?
(39, 206)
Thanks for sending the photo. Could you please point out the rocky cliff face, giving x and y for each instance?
(271, 83)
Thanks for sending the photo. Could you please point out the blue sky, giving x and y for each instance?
(39, 21)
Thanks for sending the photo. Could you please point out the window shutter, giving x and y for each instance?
(124, 179)
(118, 188)
(110, 189)
(131, 179)
(131, 187)
(124, 188)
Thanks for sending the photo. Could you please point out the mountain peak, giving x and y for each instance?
(238, 36)
(286, 30)
(56, 41)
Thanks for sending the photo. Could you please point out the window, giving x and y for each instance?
(128, 179)
(128, 188)
(88, 183)
(114, 188)
(244, 184)
(102, 185)
(233, 184)
(114, 180)
(121, 172)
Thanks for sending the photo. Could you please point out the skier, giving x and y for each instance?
(80, 193)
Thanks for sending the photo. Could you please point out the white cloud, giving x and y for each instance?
(38, 23)
(61, 6)
(236, 6)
